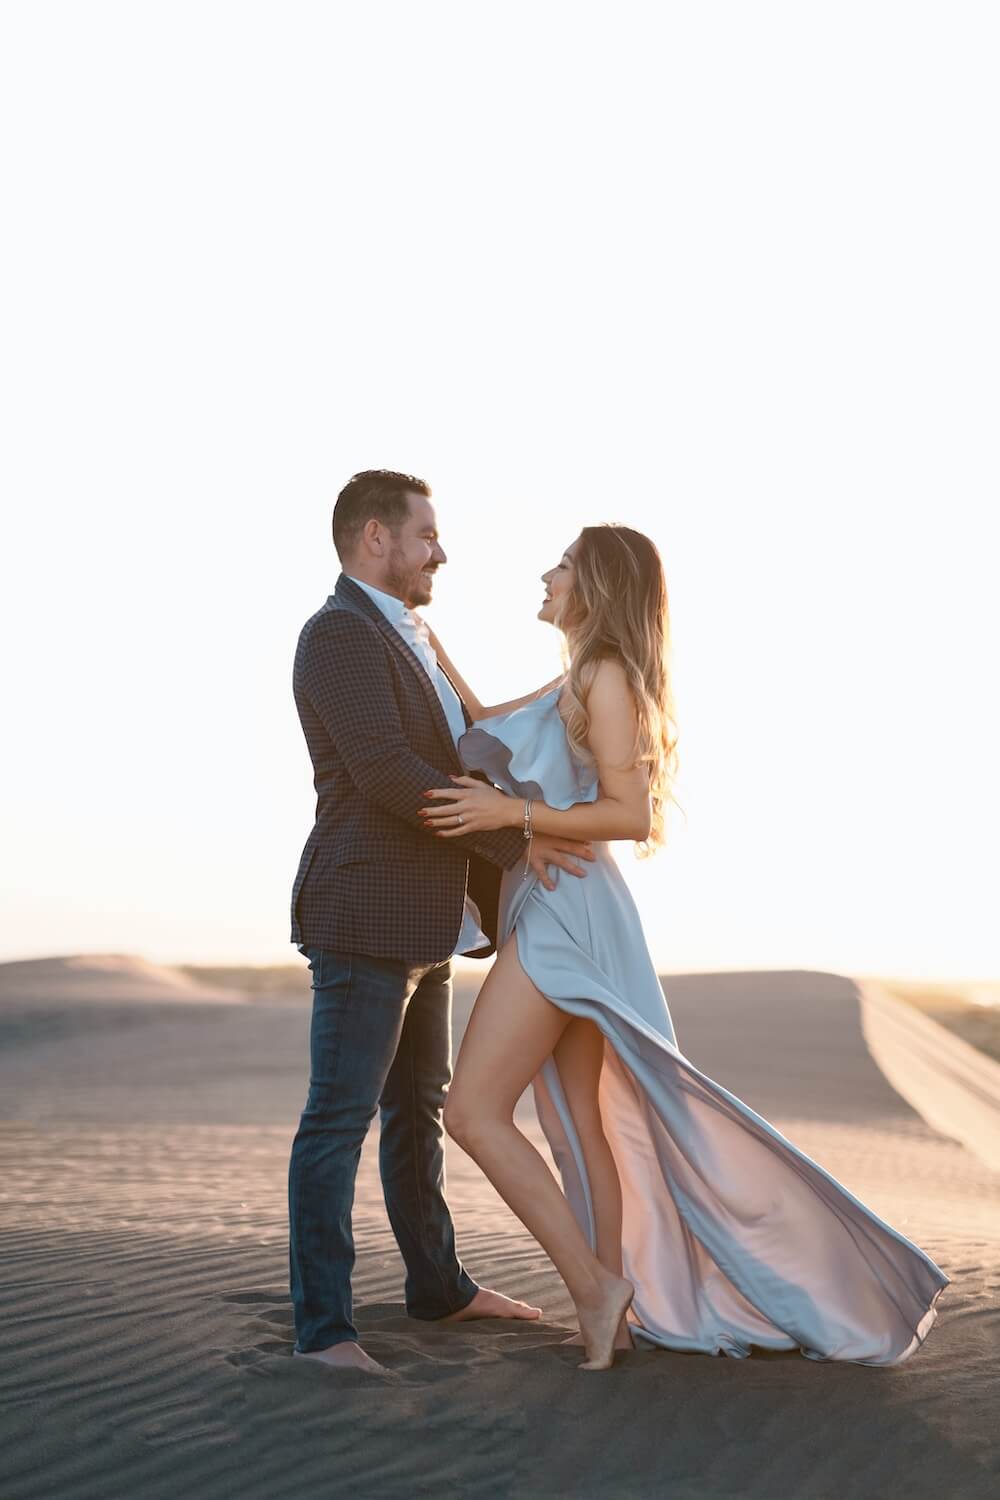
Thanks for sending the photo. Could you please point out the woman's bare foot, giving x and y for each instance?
(487, 1304)
(347, 1356)
(601, 1320)
(623, 1338)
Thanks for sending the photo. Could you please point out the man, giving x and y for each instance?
(378, 907)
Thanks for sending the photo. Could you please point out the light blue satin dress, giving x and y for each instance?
(732, 1236)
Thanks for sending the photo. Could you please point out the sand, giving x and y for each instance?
(969, 1009)
(147, 1328)
(103, 978)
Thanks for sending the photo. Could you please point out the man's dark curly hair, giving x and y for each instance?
(372, 495)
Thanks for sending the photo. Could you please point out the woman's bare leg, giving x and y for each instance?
(579, 1056)
(512, 1031)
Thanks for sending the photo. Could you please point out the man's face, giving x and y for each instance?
(414, 554)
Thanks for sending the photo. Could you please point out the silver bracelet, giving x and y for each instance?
(527, 830)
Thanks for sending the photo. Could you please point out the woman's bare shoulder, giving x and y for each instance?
(609, 687)
(609, 698)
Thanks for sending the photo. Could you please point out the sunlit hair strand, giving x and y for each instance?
(617, 608)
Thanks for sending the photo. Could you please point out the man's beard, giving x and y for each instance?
(412, 587)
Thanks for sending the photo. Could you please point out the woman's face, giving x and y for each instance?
(558, 585)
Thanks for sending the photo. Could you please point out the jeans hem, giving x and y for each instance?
(438, 1317)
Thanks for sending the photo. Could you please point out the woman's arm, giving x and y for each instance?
(463, 689)
(506, 708)
(623, 808)
(469, 698)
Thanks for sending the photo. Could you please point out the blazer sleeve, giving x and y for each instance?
(342, 669)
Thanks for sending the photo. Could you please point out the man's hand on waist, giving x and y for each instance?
(548, 850)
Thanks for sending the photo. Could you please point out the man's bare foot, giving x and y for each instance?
(601, 1320)
(623, 1338)
(346, 1356)
(487, 1304)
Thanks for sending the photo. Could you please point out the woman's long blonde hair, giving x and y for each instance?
(618, 608)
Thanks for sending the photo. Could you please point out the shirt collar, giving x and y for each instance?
(394, 609)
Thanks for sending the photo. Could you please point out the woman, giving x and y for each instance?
(687, 1217)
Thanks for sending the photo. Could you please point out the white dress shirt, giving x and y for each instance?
(416, 635)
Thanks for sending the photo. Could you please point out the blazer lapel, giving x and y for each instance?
(348, 593)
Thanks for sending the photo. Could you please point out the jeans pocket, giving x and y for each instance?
(327, 967)
(333, 1017)
(337, 970)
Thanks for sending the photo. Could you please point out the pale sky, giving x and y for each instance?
(724, 272)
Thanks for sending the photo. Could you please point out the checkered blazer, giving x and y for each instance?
(371, 878)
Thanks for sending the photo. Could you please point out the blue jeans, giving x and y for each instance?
(381, 1036)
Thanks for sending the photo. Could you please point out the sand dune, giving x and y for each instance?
(103, 978)
(951, 1085)
(146, 1324)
